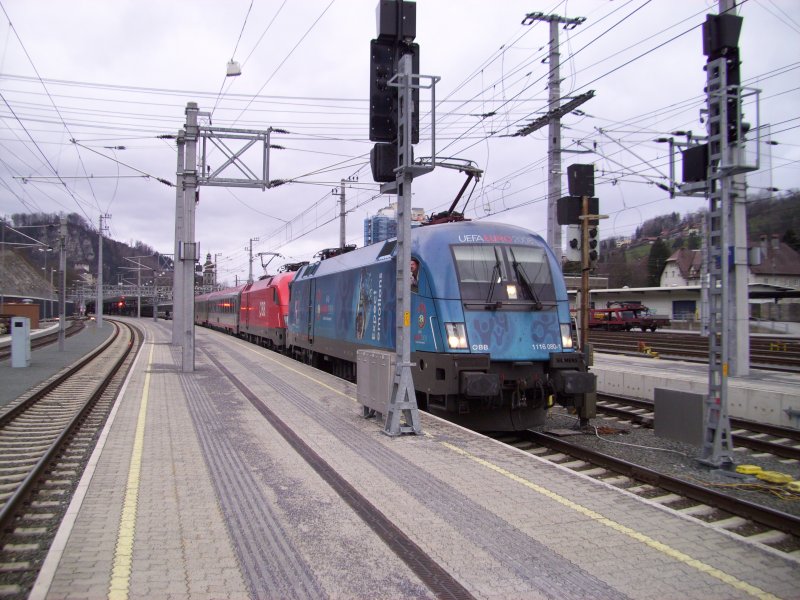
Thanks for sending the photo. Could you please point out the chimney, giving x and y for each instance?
(764, 244)
(776, 242)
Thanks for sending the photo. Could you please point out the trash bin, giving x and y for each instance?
(20, 342)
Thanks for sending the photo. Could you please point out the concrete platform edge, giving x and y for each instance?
(50, 565)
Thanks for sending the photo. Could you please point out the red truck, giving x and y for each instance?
(638, 316)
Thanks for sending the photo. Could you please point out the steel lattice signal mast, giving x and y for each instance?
(726, 242)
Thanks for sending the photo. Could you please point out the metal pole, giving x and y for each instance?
(155, 296)
(404, 400)
(189, 248)
(138, 291)
(341, 216)
(739, 338)
(46, 250)
(3, 255)
(177, 263)
(250, 262)
(62, 306)
(215, 268)
(250, 248)
(50, 293)
(554, 144)
(98, 309)
(554, 123)
(584, 272)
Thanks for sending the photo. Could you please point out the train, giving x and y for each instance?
(492, 341)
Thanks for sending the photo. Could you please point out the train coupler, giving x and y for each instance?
(518, 400)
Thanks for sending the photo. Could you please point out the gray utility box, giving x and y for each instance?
(20, 342)
(679, 416)
(375, 379)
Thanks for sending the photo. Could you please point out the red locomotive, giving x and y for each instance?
(263, 309)
(255, 311)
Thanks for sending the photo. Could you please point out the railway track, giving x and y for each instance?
(72, 328)
(783, 442)
(778, 354)
(46, 439)
(751, 521)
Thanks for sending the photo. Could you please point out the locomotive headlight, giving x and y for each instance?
(566, 336)
(456, 336)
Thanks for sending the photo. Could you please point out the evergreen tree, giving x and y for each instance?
(790, 239)
(659, 253)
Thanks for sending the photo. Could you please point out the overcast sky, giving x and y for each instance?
(119, 73)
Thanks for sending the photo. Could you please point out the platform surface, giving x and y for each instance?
(192, 493)
(49, 360)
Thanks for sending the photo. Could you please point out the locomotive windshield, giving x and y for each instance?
(504, 275)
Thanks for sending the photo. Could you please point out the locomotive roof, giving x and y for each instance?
(269, 280)
(344, 262)
(436, 238)
(429, 241)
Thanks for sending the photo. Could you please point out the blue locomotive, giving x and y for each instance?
(491, 333)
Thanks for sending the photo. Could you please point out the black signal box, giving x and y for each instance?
(695, 163)
(383, 161)
(570, 208)
(580, 179)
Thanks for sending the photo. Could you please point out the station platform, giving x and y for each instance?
(49, 360)
(44, 329)
(202, 488)
(762, 396)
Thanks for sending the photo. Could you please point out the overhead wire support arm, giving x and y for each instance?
(569, 23)
(250, 137)
(556, 113)
(192, 172)
(555, 110)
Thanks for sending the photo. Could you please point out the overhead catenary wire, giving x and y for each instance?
(326, 130)
(55, 106)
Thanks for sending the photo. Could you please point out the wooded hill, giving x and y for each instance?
(81, 248)
(638, 262)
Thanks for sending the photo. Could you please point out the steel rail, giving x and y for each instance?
(14, 501)
(15, 410)
(766, 516)
(759, 445)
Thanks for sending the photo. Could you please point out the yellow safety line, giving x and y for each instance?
(123, 555)
(639, 537)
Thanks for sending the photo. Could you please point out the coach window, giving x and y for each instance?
(422, 288)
